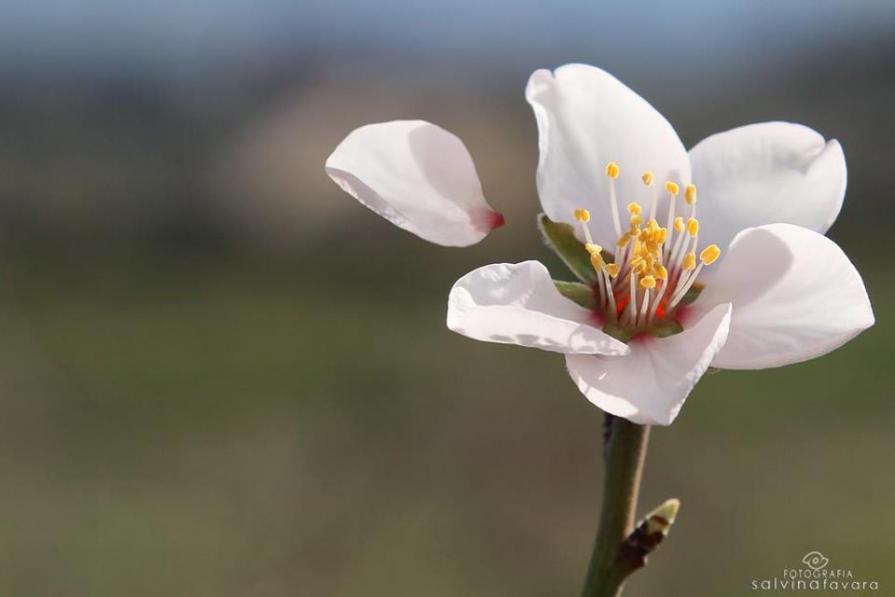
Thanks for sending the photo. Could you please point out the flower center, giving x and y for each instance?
(654, 267)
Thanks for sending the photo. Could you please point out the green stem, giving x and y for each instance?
(625, 451)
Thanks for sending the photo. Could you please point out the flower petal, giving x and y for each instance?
(649, 385)
(586, 119)
(795, 294)
(517, 303)
(418, 176)
(768, 173)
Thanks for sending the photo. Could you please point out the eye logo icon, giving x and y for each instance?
(815, 560)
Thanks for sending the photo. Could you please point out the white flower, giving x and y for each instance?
(611, 166)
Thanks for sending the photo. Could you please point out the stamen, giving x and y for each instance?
(647, 283)
(690, 196)
(679, 224)
(657, 301)
(710, 254)
(612, 173)
(644, 308)
(655, 266)
(647, 179)
(673, 190)
(601, 286)
(583, 216)
(692, 231)
(604, 277)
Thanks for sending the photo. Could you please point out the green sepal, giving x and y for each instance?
(665, 328)
(619, 332)
(692, 294)
(577, 292)
(561, 238)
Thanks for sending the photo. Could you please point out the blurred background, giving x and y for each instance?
(222, 376)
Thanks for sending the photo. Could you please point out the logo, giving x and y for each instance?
(815, 575)
(815, 560)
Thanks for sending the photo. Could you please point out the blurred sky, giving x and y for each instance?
(175, 37)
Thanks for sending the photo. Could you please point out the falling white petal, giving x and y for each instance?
(418, 176)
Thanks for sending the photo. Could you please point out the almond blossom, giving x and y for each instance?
(709, 258)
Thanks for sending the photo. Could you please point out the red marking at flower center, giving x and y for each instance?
(621, 301)
(496, 220)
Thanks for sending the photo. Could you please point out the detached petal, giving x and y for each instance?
(768, 173)
(649, 385)
(586, 119)
(419, 177)
(795, 296)
(517, 303)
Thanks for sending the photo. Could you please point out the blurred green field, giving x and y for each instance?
(211, 424)
(221, 377)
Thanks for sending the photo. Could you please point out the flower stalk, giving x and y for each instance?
(624, 453)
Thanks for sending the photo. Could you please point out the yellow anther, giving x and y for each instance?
(592, 248)
(636, 220)
(692, 227)
(661, 272)
(672, 188)
(689, 261)
(647, 282)
(623, 240)
(710, 254)
(612, 170)
(679, 224)
(640, 267)
(582, 215)
(596, 260)
(612, 269)
(690, 194)
(647, 178)
(653, 226)
(634, 208)
(661, 235)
